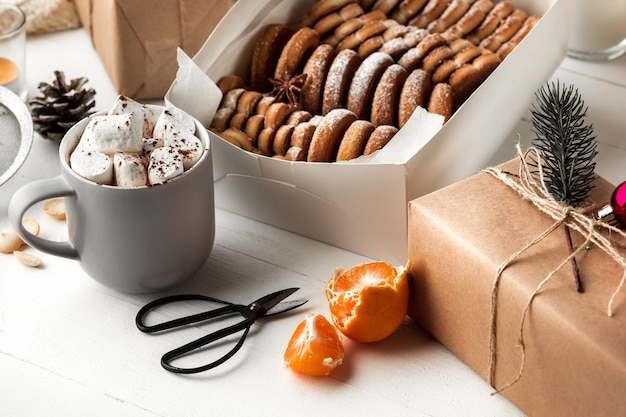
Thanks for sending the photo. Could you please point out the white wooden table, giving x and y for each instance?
(69, 347)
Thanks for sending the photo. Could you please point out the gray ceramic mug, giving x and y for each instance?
(130, 239)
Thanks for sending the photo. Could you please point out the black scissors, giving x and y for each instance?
(265, 306)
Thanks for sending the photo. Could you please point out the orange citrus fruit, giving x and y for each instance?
(368, 302)
(315, 347)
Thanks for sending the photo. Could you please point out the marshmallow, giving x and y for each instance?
(130, 170)
(165, 163)
(173, 122)
(92, 165)
(189, 146)
(86, 139)
(126, 105)
(150, 144)
(114, 149)
(118, 133)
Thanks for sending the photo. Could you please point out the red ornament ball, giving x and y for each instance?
(618, 203)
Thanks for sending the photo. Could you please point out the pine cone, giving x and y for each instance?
(61, 106)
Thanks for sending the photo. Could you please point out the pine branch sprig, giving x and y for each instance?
(566, 144)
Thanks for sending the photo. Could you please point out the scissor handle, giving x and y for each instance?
(195, 318)
(166, 360)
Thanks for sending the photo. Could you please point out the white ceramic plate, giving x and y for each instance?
(16, 133)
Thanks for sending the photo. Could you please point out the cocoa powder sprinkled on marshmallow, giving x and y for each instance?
(132, 138)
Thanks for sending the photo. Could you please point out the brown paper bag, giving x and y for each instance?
(137, 39)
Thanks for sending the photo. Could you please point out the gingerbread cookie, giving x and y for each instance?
(490, 23)
(505, 30)
(295, 53)
(441, 101)
(415, 92)
(354, 140)
(267, 50)
(300, 141)
(316, 69)
(253, 127)
(509, 45)
(229, 82)
(331, 21)
(469, 76)
(364, 83)
(321, 9)
(387, 96)
(453, 12)
(412, 59)
(406, 10)
(328, 135)
(469, 21)
(463, 56)
(276, 115)
(282, 139)
(369, 30)
(431, 11)
(350, 26)
(379, 138)
(338, 79)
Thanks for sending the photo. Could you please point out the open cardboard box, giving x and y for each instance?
(362, 206)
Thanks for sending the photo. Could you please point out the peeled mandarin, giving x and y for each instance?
(369, 302)
(315, 348)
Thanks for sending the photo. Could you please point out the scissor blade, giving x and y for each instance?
(272, 300)
(285, 306)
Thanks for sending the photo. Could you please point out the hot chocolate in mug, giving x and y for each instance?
(131, 239)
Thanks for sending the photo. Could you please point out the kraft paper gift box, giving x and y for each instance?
(575, 354)
(361, 205)
(137, 39)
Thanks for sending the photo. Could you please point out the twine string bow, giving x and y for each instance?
(535, 190)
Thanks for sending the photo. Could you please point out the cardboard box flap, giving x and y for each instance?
(197, 95)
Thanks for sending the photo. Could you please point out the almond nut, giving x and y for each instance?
(9, 241)
(27, 259)
(31, 225)
(55, 208)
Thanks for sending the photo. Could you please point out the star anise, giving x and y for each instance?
(288, 89)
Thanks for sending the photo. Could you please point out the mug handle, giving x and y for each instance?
(27, 196)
